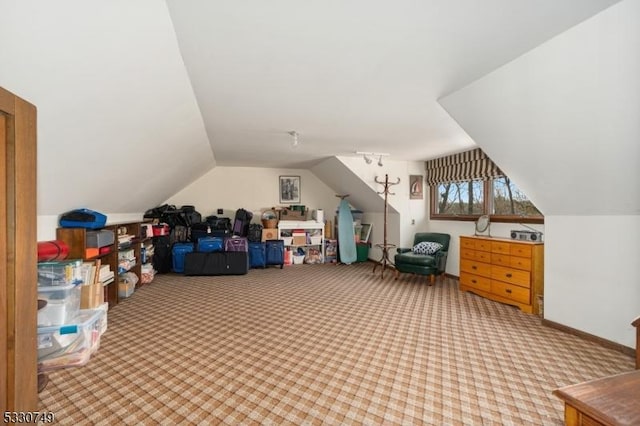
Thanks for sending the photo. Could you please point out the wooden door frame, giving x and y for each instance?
(18, 255)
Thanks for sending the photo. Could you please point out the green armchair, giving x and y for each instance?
(428, 260)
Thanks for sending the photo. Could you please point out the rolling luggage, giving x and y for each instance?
(209, 244)
(275, 252)
(257, 255)
(236, 244)
(255, 233)
(217, 263)
(200, 230)
(178, 251)
(241, 222)
(161, 254)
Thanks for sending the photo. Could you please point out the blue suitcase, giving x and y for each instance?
(179, 251)
(275, 252)
(257, 255)
(210, 244)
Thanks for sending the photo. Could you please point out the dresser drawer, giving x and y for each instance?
(509, 291)
(522, 250)
(483, 245)
(500, 247)
(510, 275)
(500, 259)
(475, 267)
(475, 281)
(523, 263)
(466, 253)
(483, 256)
(467, 243)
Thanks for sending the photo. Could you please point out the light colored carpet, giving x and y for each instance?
(323, 344)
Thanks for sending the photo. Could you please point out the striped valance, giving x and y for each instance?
(463, 166)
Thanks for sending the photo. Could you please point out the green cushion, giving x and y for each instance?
(411, 258)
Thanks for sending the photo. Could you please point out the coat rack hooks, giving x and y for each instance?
(385, 262)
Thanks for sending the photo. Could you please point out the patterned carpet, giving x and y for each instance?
(323, 344)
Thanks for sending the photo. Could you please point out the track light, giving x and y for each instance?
(369, 156)
(294, 134)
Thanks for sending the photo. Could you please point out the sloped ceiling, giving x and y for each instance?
(119, 129)
(348, 76)
(562, 120)
(341, 178)
(124, 123)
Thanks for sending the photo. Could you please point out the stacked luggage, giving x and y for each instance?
(215, 246)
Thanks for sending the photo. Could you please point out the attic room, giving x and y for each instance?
(209, 103)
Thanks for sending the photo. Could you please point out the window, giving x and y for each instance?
(461, 198)
(509, 200)
(466, 201)
(468, 184)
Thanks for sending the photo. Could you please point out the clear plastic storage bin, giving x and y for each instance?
(63, 304)
(70, 345)
(60, 273)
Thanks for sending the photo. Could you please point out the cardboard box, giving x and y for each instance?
(289, 214)
(269, 234)
(91, 296)
(299, 240)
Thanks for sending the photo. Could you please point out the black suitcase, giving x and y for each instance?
(162, 258)
(241, 222)
(200, 230)
(255, 233)
(216, 263)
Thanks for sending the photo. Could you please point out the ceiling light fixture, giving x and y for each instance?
(294, 134)
(368, 156)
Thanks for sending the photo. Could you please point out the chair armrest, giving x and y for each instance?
(403, 250)
(441, 260)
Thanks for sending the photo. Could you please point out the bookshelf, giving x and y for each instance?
(76, 239)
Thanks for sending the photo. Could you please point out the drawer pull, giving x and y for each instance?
(474, 267)
(508, 290)
(508, 275)
(474, 281)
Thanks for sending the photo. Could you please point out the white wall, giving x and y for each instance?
(252, 188)
(119, 127)
(47, 224)
(562, 122)
(591, 274)
(413, 215)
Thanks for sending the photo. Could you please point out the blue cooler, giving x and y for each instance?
(179, 251)
(210, 244)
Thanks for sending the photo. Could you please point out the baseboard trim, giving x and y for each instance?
(590, 337)
(582, 334)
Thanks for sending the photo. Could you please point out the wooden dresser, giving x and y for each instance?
(503, 270)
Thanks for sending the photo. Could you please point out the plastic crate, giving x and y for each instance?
(63, 304)
(61, 273)
(70, 345)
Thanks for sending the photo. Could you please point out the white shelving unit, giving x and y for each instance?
(311, 228)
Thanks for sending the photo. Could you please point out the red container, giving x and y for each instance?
(159, 230)
(52, 250)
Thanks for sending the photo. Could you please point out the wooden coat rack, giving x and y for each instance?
(385, 262)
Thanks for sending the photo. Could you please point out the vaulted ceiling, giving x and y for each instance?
(138, 99)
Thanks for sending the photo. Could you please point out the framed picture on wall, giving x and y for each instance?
(289, 189)
(365, 233)
(415, 187)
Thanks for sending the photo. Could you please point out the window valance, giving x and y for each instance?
(468, 165)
